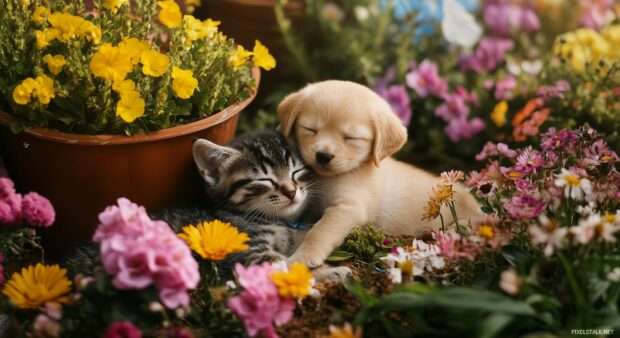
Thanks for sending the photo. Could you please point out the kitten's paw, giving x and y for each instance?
(332, 273)
(307, 260)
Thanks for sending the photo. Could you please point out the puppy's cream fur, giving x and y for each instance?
(361, 183)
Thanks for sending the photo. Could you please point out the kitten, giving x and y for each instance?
(260, 185)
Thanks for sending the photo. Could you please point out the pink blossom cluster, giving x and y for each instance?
(260, 305)
(140, 252)
(486, 233)
(31, 208)
(395, 94)
(596, 14)
(123, 329)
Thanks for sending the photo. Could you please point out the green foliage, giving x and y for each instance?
(362, 245)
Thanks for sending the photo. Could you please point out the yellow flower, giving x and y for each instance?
(154, 63)
(192, 4)
(262, 58)
(345, 332)
(498, 116)
(45, 37)
(431, 210)
(124, 86)
(38, 285)
(214, 240)
(70, 26)
(23, 91)
(295, 283)
(44, 89)
(183, 82)
(443, 194)
(130, 106)
(170, 13)
(91, 32)
(134, 48)
(114, 5)
(195, 29)
(240, 57)
(40, 14)
(54, 63)
(111, 63)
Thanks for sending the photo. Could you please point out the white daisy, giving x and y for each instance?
(575, 186)
(549, 234)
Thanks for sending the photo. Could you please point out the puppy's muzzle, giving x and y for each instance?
(323, 158)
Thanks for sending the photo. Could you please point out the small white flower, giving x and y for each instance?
(156, 307)
(549, 234)
(587, 209)
(231, 285)
(280, 266)
(575, 186)
(595, 226)
(510, 282)
(614, 275)
(331, 11)
(458, 25)
(361, 13)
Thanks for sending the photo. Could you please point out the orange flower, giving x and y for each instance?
(529, 108)
(530, 127)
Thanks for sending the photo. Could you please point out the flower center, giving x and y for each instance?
(486, 231)
(609, 218)
(514, 174)
(572, 180)
(406, 267)
(606, 158)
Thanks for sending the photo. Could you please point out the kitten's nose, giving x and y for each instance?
(288, 190)
(323, 158)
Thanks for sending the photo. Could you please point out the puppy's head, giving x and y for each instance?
(340, 126)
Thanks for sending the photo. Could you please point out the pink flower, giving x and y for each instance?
(452, 245)
(491, 149)
(524, 206)
(10, 202)
(596, 14)
(45, 327)
(555, 91)
(504, 18)
(458, 129)
(179, 332)
(37, 210)
(454, 107)
(259, 306)
(510, 282)
(490, 52)
(564, 139)
(504, 88)
(395, 95)
(123, 329)
(529, 160)
(425, 80)
(140, 252)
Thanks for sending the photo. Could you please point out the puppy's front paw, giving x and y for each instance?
(307, 260)
(332, 273)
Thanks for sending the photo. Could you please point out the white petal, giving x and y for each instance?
(459, 26)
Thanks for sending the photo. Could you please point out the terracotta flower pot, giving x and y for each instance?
(82, 174)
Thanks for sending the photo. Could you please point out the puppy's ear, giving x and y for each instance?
(210, 158)
(390, 135)
(288, 111)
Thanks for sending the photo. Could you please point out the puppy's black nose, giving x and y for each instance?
(323, 158)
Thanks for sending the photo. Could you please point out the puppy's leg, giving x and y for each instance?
(333, 273)
(328, 233)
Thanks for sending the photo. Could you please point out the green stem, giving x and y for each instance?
(443, 227)
(579, 298)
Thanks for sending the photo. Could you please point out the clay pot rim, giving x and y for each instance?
(105, 139)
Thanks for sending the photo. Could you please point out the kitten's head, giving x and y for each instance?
(256, 173)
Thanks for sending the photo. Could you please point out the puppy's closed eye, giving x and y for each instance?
(309, 130)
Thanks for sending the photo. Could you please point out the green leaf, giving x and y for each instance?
(16, 127)
(359, 292)
(517, 257)
(493, 325)
(339, 256)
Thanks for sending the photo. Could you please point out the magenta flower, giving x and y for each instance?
(491, 149)
(259, 306)
(596, 14)
(504, 88)
(514, 173)
(454, 107)
(564, 139)
(425, 80)
(37, 210)
(140, 252)
(504, 18)
(398, 99)
(524, 207)
(490, 52)
(10, 202)
(123, 329)
(179, 332)
(597, 153)
(529, 160)
(555, 91)
(458, 129)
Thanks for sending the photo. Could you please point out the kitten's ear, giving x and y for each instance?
(210, 158)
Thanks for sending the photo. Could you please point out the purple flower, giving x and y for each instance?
(489, 53)
(504, 18)
(513, 173)
(123, 329)
(525, 187)
(397, 97)
(491, 149)
(140, 252)
(454, 107)
(597, 153)
(260, 305)
(462, 128)
(425, 80)
(524, 207)
(529, 160)
(37, 210)
(504, 88)
(563, 139)
(555, 91)
(10, 202)
(596, 14)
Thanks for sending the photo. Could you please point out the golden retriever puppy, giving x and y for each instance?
(347, 133)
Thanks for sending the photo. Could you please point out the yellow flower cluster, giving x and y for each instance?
(214, 240)
(443, 194)
(42, 88)
(261, 57)
(114, 5)
(64, 27)
(38, 285)
(498, 115)
(295, 283)
(586, 47)
(131, 105)
(54, 63)
(183, 82)
(195, 29)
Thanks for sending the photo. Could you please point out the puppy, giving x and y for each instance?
(347, 133)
